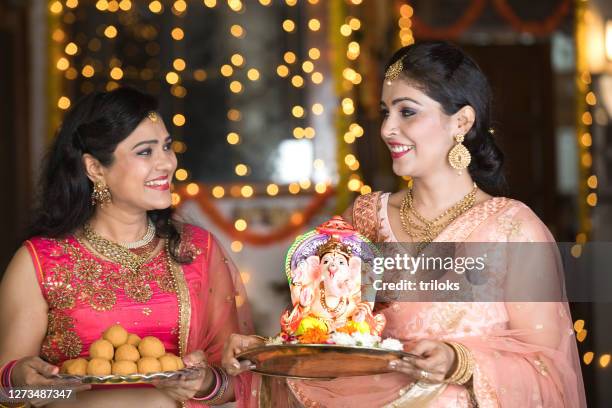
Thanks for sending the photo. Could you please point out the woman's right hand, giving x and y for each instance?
(34, 371)
(235, 345)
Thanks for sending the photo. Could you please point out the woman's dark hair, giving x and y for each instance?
(449, 76)
(95, 125)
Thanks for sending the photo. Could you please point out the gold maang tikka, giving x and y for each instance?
(152, 115)
(394, 71)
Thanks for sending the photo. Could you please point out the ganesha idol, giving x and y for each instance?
(324, 270)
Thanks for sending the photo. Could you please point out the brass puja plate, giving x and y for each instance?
(185, 373)
(320, 361)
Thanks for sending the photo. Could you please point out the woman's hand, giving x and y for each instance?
(35, 372)
(235, 345)
(183, 389)
(437, 363)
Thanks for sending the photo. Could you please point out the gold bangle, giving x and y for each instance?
(470, 365)
(459, 363)
(465, 364)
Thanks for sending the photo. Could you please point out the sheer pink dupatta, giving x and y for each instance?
(219, 307)
(533, 361)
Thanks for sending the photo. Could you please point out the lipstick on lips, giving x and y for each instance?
(161, 183)
(399, 149)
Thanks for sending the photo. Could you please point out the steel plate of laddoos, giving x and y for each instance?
(185, 373)
(320, 361)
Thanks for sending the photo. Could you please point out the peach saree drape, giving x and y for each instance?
(525, 352)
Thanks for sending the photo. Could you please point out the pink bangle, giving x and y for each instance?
(7, 370)
(214, 391)
(5, 376)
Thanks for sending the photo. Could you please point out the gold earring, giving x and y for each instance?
(101, 194)
(459, 157)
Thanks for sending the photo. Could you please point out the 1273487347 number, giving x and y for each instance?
(27, 394)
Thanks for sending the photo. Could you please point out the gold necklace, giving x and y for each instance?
(424, 231)
(331, 311)
(114, 251)
(145, 240)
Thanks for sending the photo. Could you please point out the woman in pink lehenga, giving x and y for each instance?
(503, 353)
(105, 250)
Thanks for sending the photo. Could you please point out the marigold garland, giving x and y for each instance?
(314, 336)
(289, 230)
(464, 22)
(540, 29)
(475, 10)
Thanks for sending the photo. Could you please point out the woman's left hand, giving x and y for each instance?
(184, 389)
(436, 364)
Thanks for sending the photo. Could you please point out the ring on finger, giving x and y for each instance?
(424, 374)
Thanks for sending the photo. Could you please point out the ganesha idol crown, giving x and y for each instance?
(324, 270)
(335, 246)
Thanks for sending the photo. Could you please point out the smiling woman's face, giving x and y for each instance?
(139, 177)
(418, 133)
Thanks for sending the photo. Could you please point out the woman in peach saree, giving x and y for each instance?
(504, 352)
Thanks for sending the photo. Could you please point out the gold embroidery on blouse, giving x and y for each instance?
(184, 304)
(60, 337)
(187, 247)
(509, 227)
(98, 285)
(61, 295)
(92, 282)
(448, 316)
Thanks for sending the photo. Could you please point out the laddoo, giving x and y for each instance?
(101, 349)
(124, 367)
(127, 352)
(116, 334)
(133, 339)
(77, 366)
(168, 363)
(98, 366)
(179, 363)
(148, 365)
(151, 346)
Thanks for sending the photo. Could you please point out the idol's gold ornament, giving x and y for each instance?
(152, 115)
(423, 231)
(394, 71)
(100, 195)
(459, 157)
(333, 311)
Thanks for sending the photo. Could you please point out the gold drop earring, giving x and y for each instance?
(101, 194)
(459, 156)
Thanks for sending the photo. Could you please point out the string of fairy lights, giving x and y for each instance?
(587, 195)
(404, 24)
(300, 72)
(233, 70)
(351, 79)
(344, 39)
